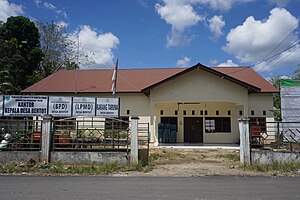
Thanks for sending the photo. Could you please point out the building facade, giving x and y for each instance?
(191, 105)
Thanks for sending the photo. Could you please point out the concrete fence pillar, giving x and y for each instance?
(46, 138)
(244, 141)
(134, 149)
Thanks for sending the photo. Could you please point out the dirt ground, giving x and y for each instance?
(180, 162)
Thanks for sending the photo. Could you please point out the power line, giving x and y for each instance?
(262, 60)
(271, 58)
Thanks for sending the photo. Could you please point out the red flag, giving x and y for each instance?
(114, 78)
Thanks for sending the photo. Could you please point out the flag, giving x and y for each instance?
(114, 78)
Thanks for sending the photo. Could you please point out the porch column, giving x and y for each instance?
(134, 148)
(244, 141)
(46, 138)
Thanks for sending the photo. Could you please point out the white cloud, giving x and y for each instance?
(251, 41)
(98, 46)
(52, 7)
(223, 5)
(181, 17)
(184, 62)
(213, 62)
(9, 9)
(38, 3)
(280, 3)
(62, 24)
(228, 63)
(216, 24)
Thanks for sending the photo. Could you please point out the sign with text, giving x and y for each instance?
(19, 105)
(60, 106)
(107, 107)
(1, 105)
(83, 106)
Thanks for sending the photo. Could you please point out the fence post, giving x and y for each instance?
(244, 141)
(46, 138)
(134, 140)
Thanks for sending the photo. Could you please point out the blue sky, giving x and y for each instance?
(176, 33)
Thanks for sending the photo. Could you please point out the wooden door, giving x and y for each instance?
(193, 130)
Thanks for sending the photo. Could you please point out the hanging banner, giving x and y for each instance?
(83, 106)
(290, 109)
(60, 106)
(107, 107)
(290, 100)
(1, 105)
(19, 105)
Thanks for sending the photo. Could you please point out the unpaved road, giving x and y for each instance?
(189, 162)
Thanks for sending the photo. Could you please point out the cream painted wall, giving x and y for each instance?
(199, 86)
(209, 91)
(211, 108)
(258, 102)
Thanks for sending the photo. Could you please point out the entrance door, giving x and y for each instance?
(193, 130)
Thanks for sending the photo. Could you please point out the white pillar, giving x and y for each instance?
(46, 138)
(244, 141)
(134, 140)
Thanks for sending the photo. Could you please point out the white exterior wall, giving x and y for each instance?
(196, 90)
(210, 92)
(258, 102)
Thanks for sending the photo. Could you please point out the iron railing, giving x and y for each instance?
(20, 135)
(275, 135)
(90, 135)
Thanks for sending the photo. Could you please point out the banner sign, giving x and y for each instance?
(107, 107)
(1, 105)
(84, 106)
(290, 100)
(290, 109)
(60, 106)
(18, 105)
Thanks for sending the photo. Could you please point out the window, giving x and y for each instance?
(252, 112)
(128, 112)
(206, 112)
(184, 112)
(217, 124)
(117, 123)
(229, 112)
(193, 112)
(264, 112)
(161, 112)
(169, 120)
(241, 112)
(217, 112)
(201, 112)
(176, 112)
(261, 122)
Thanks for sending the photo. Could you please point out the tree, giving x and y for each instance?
(297, 73)
(56, 46)
(275, 81)
(20, 53)
(60, 52)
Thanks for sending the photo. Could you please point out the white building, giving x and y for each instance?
(198, 104)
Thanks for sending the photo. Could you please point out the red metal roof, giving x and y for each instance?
(130, 80)
(248, 75)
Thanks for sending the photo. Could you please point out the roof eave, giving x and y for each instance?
(250, 88)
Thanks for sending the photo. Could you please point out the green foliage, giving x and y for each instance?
(20, 54)
(275, 166)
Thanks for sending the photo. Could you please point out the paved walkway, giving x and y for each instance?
(199, 146)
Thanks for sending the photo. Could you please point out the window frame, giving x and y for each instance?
(217, 124)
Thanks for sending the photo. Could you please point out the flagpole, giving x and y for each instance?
(114, 87)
